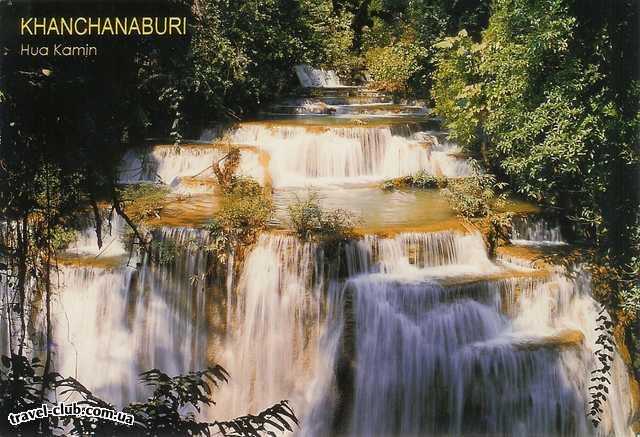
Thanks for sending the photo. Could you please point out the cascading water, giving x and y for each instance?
(271, 349)
(310, 77)
(112, 324)
(419, 333)
(535, 231)
(170, 164)
(430, 357)
(86, 242)
(301, 156)
(435, 359)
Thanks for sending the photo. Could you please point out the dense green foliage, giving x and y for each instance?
(398, 37)
(475, 197)
(535, 98)
(392, 66)
(242, 53)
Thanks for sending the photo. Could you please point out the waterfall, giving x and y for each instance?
(112, 324)
(297, 156)
(271, 349)
(86, 242)
(535, 231)
(301, 156)
(392, 346)
(408, 334)
(171, 165)
(310, 77)
(419, 254)
(478, 356)
(506, 357)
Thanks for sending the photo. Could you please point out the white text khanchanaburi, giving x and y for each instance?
(86, 26)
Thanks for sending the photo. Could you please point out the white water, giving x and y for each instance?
(310, 77)
(110, 325)
(448, 360)
(86, 243)
(531, 231)
(301, 156)
(168, 164)
(429, 358)
(272, 350)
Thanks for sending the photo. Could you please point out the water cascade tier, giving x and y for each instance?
(113, 323)
(299, 156)
(419, 334)
(313, 77)
(532, 231)
(302, 156)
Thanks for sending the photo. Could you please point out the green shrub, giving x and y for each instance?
(144, 201)
(474, 197)
(244, 212)
(245, 215)
(311, 222)
(244, 186)
(391, 66)
(421, 179)
(246, 209)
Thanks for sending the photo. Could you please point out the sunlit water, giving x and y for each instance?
(428, 357)
(300, 155)
(313, 77)
(372, 208)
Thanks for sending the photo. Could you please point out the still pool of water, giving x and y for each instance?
(374, 208)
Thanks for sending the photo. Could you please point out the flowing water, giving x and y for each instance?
(347, 155)
(313, 77)
(299, 156)
(536, 231)
(413, 331)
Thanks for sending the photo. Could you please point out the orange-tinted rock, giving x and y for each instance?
(563, 339)
(106, 262)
